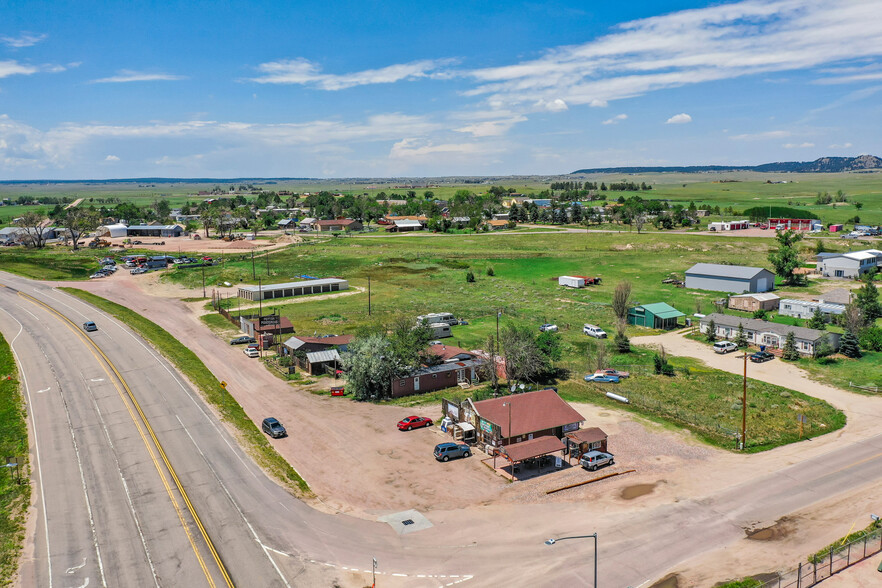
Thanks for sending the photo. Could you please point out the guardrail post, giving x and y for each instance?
(831, 560)
(799, 576)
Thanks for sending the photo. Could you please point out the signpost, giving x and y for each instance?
(270, 320)
(802, 421)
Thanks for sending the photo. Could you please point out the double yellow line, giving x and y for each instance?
(93, 347)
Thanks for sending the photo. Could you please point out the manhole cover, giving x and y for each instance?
(407, 522)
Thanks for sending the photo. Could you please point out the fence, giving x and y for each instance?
(835, 560)
(868, 388)
(674, 412)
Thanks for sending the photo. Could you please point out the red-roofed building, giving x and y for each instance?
(340, 224)
(521, 417)
(449, 353)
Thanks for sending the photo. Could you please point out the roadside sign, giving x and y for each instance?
(271, 320)
(224, 385)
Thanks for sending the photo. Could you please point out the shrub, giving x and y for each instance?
(470, 276)
(490, 271)
(871, 339)
(760, 314)
(849, 346)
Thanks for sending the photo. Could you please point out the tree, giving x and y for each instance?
(370, 367)
(849, 345)
(601, 360)
(77, 221)
(823, 347)
(488, 369)
(639, 222)
(33, 224)
(621, 300)
(470, 276)
(871, 338)
(867, 299)
(621, 341)
(818, 321)
(408, 341)
(549, 343)
(711, 333)
(524, 361)
(790, 351)
(786, 258)
(853, 318)
(760, 314)
(740, 337)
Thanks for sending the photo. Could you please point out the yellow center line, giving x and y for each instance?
(93, 347)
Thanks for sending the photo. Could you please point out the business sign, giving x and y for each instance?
(486, 427)
(270, 320)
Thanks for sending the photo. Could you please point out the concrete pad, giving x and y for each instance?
(397, 521)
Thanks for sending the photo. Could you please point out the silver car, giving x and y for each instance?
(595, 459)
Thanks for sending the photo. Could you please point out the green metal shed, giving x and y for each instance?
(654, 316)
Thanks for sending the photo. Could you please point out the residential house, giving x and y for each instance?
(729, 278)
(498, 225)
(438, 377)
(754, 302)
(654, 316)
(806, 308)
(306, 224)
(340, 224)
(848, 265)
(771, 335)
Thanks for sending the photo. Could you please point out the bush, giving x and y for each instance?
(760, 314)
(711, 333)
(470, 276)
(871, 339)
(490, 271)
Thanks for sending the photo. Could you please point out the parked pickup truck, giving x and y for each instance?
(595, 459)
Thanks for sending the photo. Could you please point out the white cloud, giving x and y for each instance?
(127, 75)
(838, 146)
(11, 67)
(23, 40)
(798, 145)
(111, 158)
(615, 120)
(679, 119)
(692, 46)
(491, 128)
(305, 72)
(760, 136)
(556, 105)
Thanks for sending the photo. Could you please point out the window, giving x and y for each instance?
(401, 383)
(838, 273)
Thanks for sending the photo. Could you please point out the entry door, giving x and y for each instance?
(460, 376)
(416, 383)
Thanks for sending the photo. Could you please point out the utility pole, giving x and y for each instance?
(369, 296)
(253, 273)
(267, 263)
(203, 279)
(744, 406)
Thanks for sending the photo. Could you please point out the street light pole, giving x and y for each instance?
(509, 420)
(744, 406)
(592, 536)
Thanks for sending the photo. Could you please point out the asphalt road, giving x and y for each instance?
(110, 514)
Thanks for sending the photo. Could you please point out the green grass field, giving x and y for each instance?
(14, 497)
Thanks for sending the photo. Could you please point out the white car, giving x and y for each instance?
(594, 331)
(251, 352)
(725, 347)
(548, 328)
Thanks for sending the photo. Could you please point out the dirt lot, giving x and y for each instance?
(210, 245)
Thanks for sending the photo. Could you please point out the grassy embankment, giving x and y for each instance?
(418, 274)
(192, 367)
(50, 263)
(14, 497)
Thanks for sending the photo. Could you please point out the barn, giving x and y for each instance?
(729, 278)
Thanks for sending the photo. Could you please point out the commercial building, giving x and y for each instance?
(728, 225)
(288, 289)
(154, 231)
(796, 224)
(729, 278)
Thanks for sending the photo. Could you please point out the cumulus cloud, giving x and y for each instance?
(491, 128)
(616, 119)
(10, 67)
(797, 145)
(556, 105)
(126, 75)
(679, 119)
(111, 158)
(693, 46)
(25, 39)
(304, 72)
(839, 146)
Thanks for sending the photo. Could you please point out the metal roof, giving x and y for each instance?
(533, 448)
(155, 227)
(761, 296)
(408, 223)
(286, 285)
(741, 272)
(662, 310)
(323, 356)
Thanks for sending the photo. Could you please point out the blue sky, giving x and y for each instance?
(343, 89)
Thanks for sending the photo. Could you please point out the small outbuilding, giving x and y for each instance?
(585, 440)
(115, 230)
(154, 231)
(654, 316)
(754, 302)
(288, 289)
(729, 278)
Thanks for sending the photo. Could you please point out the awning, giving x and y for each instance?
(465, 426)
(592, 435)
(532, 448)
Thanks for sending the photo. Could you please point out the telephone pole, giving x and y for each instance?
(744, 406)
(369, 296)
(253, 273)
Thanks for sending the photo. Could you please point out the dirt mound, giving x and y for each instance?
(287, 239)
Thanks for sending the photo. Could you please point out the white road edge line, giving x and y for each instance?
(234, 503)
(36, 443)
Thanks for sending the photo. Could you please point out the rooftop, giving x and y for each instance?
(761, 296)
(533, 448)
(726, 320)
(267, 287)
(661, 310)
(725, 271)
(530, 412)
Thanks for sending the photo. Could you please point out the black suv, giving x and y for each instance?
(761, 356)
(273, 428)
(242, 340)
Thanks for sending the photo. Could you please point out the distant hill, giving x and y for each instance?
(822, 165)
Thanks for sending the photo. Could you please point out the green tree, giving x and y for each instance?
(871, 338)
(867, 299)
(370, 367)
(740, 337)
(711, 332)
(470, 276)
(786, 258)
(760, 314)
(817, 321)
(408, 341)
(790, 351)
(823, 347)
(490, 271)
(524, 361)
(77, 220)
(621, 300)
(621, 341)
(849, 345)
(549, 344)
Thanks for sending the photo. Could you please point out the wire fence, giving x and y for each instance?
(677, 413)
(836, 559)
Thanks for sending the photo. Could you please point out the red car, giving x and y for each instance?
(613, 373)
(414, 422)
